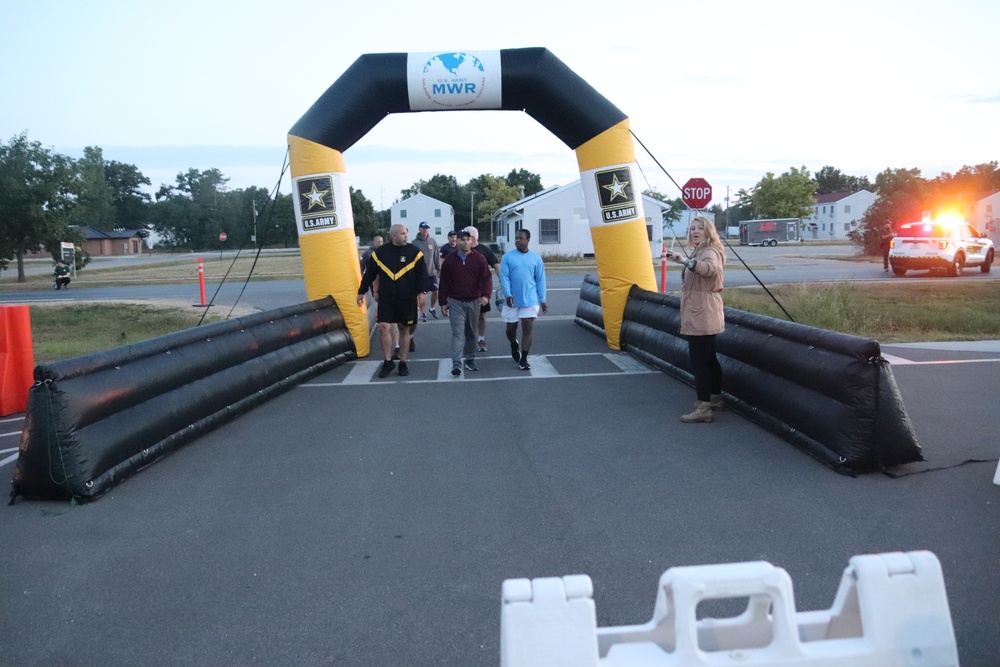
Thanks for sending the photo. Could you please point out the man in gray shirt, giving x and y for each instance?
(432, 258)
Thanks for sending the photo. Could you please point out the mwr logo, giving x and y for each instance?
(453, 79)
(614, 188)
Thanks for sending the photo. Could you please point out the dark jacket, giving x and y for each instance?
(401, 270)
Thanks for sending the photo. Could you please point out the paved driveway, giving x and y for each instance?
(358, 521)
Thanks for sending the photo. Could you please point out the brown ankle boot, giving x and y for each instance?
(702, 413)
(717, 402)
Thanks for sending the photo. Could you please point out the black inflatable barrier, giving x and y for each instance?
(588, 310)
(830, 394)
(95, 420)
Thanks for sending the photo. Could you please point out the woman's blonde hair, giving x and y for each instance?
(712, 239)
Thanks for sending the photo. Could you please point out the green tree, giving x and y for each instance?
(787, 196)
(497, 194)
(902, 196)
(36, 193)
(94, 204)
(830, 179)
(127, 196)
(190, 213)
(522, 177)
(366, 222)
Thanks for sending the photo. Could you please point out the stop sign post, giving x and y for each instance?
(696, 193)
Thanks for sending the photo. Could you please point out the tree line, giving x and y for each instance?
(45, 197)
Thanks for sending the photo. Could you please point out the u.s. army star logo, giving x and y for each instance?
(317, 203)
(616, 193)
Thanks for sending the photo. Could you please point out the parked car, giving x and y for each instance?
(948, 246)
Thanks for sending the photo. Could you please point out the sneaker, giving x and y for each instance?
(482, 345)
(423, 317)
(434, 314)
(515, 351)
(404, 370)
(395, 354)
(456, 371)
(524, 365)
(387, 367)
(56, 286)
(413, 345)
(470, 365)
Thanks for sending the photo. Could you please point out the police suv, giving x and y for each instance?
(933, 244)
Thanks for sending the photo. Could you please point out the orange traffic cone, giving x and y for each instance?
(17, 359)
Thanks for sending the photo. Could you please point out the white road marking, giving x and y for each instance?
(364, 372)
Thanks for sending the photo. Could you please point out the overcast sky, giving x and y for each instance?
(722, 90)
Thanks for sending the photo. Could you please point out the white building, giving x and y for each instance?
(984, 214)
(836, 214)
(557, 220)
(421, 208)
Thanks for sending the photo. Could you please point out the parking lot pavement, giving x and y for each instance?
(372, 522)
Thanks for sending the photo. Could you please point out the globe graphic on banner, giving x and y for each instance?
(453, 79)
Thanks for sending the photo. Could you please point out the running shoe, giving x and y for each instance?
(515, 351)
(404, 370)
(482, 345)
(387, 367)
(470, 365)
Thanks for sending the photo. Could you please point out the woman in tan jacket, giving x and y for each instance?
(702, 316)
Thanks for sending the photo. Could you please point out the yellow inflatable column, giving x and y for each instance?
(325, 223)
(608, 174)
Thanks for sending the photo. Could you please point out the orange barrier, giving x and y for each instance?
(17, 359)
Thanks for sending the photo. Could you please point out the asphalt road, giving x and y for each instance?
(357, 521)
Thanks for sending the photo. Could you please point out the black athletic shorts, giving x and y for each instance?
(434, 283)
(395, 310)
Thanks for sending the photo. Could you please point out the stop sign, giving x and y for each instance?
(222, 236)
(696, 193)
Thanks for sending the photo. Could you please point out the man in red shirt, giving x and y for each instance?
(465, 286)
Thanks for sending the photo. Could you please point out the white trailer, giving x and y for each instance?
(770, 232)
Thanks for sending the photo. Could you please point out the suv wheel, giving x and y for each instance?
(899, 271)
(985, 266)
(956, 265)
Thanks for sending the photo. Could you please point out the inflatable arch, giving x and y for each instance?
(531, 80)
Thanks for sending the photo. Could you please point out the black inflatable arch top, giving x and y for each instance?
(533, 80)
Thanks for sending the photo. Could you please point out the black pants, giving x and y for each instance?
(704, 366)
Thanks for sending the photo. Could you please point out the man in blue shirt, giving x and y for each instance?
(522, 275)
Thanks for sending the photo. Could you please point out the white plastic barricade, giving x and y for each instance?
(890, 610)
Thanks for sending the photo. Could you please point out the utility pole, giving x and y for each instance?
(472, 208)
(253, 239)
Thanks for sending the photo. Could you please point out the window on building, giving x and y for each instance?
(847, 226)
(402, 212)
(548, 230)
(823, 227)
(437, 231)
(649, 232)
(824, 209)
(847, 208)
(437, 213)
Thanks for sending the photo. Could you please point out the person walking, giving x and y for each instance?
(702, 315)
(466, 285)
(522, 277)
(494, 263)
(432, 256)
(451, 246)
(402, 289)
